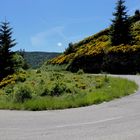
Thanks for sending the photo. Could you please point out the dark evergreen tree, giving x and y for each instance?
(137, 15)
(6, 55)
(70, 49)
(120, 28)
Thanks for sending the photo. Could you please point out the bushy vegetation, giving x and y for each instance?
(41, 90)
(12, 79)
(122, 60)
(22, 93)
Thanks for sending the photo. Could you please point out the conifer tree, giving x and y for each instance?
(137, 15)
(6, 43)
(70, 49)
(120, 28)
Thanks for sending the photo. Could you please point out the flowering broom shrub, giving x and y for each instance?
(12, 79)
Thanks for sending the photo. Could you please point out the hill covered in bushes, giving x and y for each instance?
(36, 59)
(95, 54)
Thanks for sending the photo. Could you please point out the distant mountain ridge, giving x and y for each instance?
(36, 59)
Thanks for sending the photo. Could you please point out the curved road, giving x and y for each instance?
(116, 120)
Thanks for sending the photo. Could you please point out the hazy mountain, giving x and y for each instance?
(36, 59)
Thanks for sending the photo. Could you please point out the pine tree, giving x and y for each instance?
(6, 43)
(137, 15)
(70, 49)
(120, 28)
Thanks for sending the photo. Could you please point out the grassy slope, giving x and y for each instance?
(59, 90)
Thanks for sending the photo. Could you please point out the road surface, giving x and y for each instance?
(115, 120)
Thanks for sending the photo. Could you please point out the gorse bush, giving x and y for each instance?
(50, 84)
(12, 79)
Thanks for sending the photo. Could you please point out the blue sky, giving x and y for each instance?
(49, 25)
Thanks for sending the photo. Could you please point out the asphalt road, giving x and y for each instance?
(116, 120)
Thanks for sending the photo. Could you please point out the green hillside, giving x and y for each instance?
(36, 59)
(95, 53)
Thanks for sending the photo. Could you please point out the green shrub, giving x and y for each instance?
(9, 89)
(58, 89)
(45, 92)
(22, 93)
